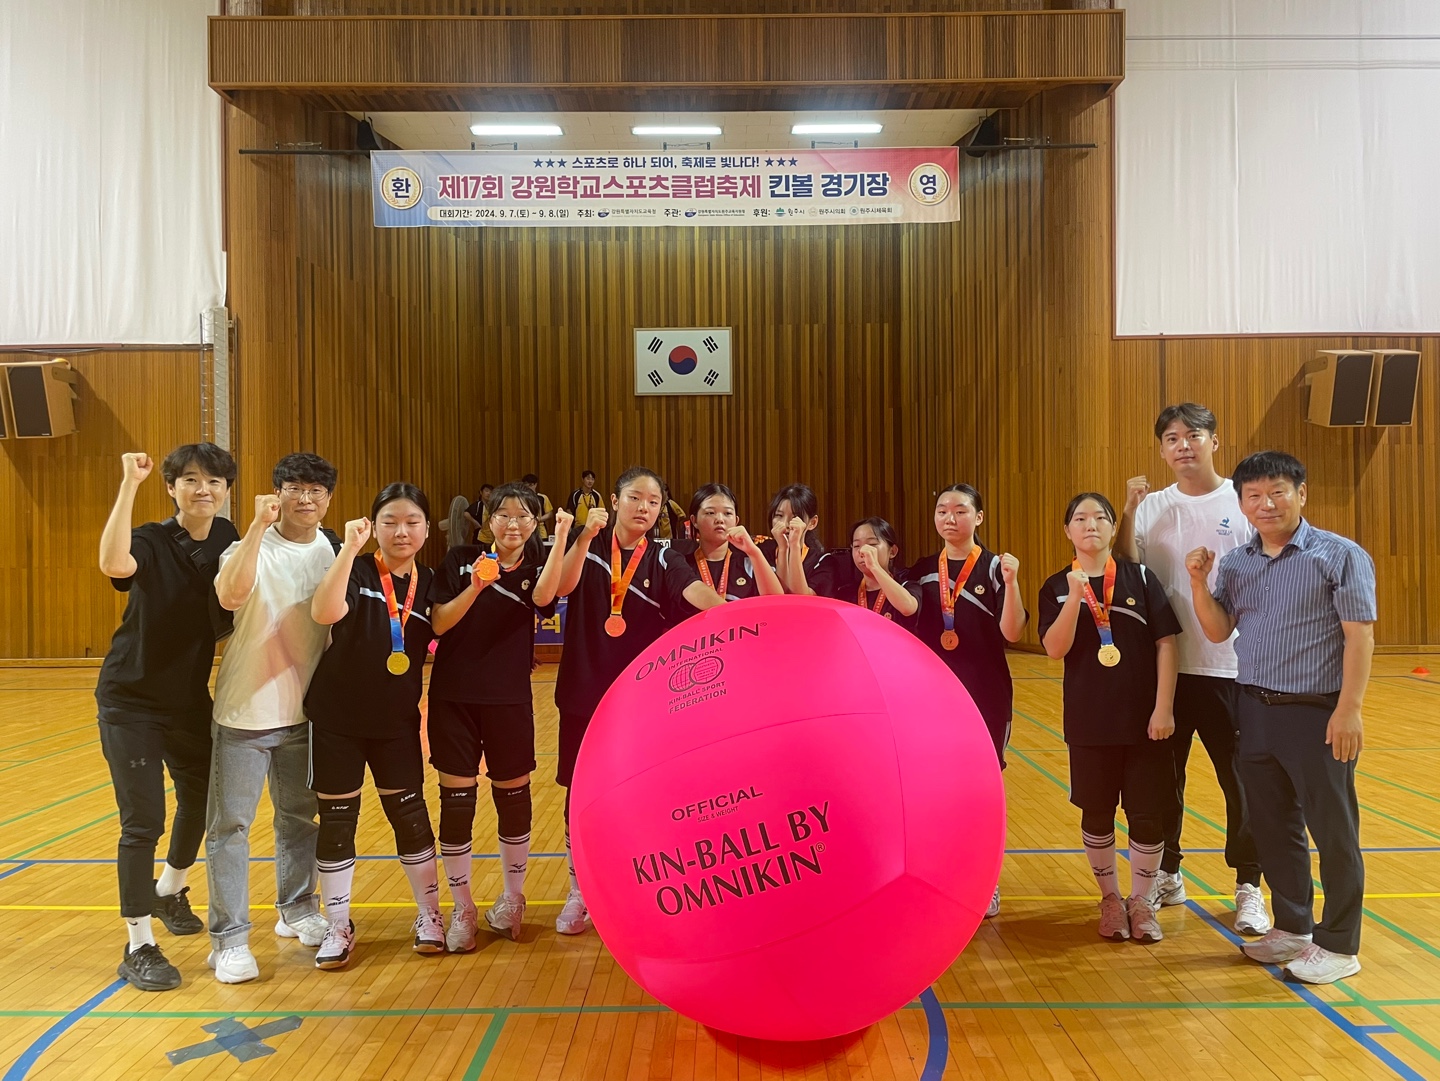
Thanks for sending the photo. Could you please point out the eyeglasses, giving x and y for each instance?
(503, 520)
(314, 495)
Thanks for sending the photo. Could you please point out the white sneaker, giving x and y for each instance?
(1318, 965)
(506, 915)
(1169, 889)
(1144, 927)
(335, 950)
(994, 909)
(1276, 948)
(234, 964)
(574, 918)
(1114, 920)
(461, 936)
(1250, 915)
(310, 929)
(429, 932)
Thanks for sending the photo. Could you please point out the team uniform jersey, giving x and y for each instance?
(886, 610)
(826, 572)
(160, 655)
(739, 584)
(979, 660)
(592, 659)
(352, 692)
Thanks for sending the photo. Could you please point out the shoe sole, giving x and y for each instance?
(577, 931)
(1251, 929)
(1118, 936)
(332, 964)
(236, 979)
(429, 947)
(1292, 977)
(464, 947)
(1146, 940)
(140, 984)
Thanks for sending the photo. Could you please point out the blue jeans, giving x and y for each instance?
(241, 762)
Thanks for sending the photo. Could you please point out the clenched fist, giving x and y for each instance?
(1136, 489)
(357, 532)
(267, 509)
(595, 521)
(1199, 564)
(136, 466)
(1009, 569)
(563, 521)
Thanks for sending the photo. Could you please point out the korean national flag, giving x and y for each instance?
(693, 360)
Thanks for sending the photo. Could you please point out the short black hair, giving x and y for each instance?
(883, 529)
(211, 460)
(588, 473)
(968, 492)
(514, 490)
(801, 498)
(400, 490)
(1105, 505)
(1268, 465)
(1196, 418)
(529, 478)
(705, 491)
(634, 473)
(303, 468)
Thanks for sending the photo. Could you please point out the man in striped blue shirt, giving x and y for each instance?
(1303, 602)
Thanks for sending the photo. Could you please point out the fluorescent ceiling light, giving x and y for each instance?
(836, 129)
(684, 129)
(515, 129)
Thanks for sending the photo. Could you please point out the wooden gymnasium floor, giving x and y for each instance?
(1036, 995)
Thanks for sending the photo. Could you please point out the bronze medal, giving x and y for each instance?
(615, 626)
(488, 569)
(949, 639)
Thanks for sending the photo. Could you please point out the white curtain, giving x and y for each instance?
(1278, 167)
(110, 152)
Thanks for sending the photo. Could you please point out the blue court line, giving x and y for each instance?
(21, 1066)
(16, 869)
(938, 1053)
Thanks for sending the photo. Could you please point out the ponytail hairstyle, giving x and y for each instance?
(1105, 506)
(884, 530)
(400, 490)
(969, 493)
(636, 472)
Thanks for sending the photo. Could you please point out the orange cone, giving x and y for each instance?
(1422, 671)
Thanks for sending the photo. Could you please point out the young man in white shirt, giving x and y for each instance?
(267, 579)
(1159, 529)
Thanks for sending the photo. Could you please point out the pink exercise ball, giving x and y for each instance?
(787, 818)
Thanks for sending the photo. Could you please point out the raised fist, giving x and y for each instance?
(596, 520)
(563, 520)
(267, 509)
(1199, 562)
(1078, 580)
(357, 532)
(1136, 489)
(740, 537)
(136, 466)
(868, 558)
(1009, 569)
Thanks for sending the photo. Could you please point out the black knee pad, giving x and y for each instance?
(410, 819)
(457, 815)
(1146, 829)
(335, 844)
(513, 809)
(1097, 823)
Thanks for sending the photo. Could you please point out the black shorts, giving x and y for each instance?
(338, 761)
(461, 733)
(1138, 776)
(572, 732)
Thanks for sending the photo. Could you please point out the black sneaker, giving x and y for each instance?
(176, 914)
(147, 969)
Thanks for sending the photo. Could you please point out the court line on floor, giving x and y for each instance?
(42, 739)
(21, 1066)
(57, 803)
(1403, 788)
(53, 754)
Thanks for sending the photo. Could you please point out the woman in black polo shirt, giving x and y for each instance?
(363, 705)
(715, 524)
(624, 591)
(1120, 665)
(794, 548)
(153, 694)
(486, 597)
(874, 549)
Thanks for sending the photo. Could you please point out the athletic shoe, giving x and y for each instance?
(574, 918)
(1276, 948)
(174, 911)
(1250, 915)
(429, 932)
(1114, 921)
(335, 950)
(145, 968)
(1144, 927)
(461, 936)
(994, 909)
(1318, 965)
(309, 929)
(506, 915)
(234, 964)
(1169, 889)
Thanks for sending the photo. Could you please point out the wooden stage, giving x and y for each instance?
(1037, 995)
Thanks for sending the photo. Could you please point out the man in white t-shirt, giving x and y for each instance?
(1159, 529)
(267, 579)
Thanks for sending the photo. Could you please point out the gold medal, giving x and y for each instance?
(949, 639)
(398, 664)
(1109, 656)
(615, 626)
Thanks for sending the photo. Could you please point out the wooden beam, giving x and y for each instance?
(682, 62)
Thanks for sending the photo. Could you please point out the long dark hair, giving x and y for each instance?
(400, 490)
(1105, 505)
(801, 498)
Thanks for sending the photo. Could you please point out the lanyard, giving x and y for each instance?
(619, 583)
(879, 601)
(703, 565)
(947, 598)
(1101, 613)
(398, 617)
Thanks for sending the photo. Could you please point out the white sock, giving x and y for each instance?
(1100, 851)
(1144, 862)
(457, 872)
(140, 931)
(514, 855)
(336, 880)
(172, 881)
(570, 862)
(424, 879)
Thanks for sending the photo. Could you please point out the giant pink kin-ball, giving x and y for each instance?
(787, 818)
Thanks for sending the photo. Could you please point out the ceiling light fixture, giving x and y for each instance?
(837, 129)
(684, 129)
(515, 129)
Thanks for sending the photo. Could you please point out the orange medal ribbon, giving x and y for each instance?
(879, 601)
(619, 583)
(398, 662)
(703, 565)
(1108, 654)
(949, 639)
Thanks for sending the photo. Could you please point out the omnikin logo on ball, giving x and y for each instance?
(693, 669)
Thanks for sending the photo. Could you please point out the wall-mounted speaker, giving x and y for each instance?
(1392, 394)
(1340, 388)
(41, 397)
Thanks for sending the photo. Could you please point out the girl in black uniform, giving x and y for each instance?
(363, 704)
(794, 549)
(715, 523)
(624, 591)
(969, 616)
(873, 549)
(486, 597)
(1120, 665)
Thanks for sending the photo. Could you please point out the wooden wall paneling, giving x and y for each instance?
(618, 7)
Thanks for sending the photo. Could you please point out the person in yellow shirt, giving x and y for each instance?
(584, 498)
(547, 520)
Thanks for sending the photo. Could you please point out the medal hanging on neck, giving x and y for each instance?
(398, 662)
(949, 639)
(879, 601)
(703, 565)
(619, 583)
(1109, 653)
